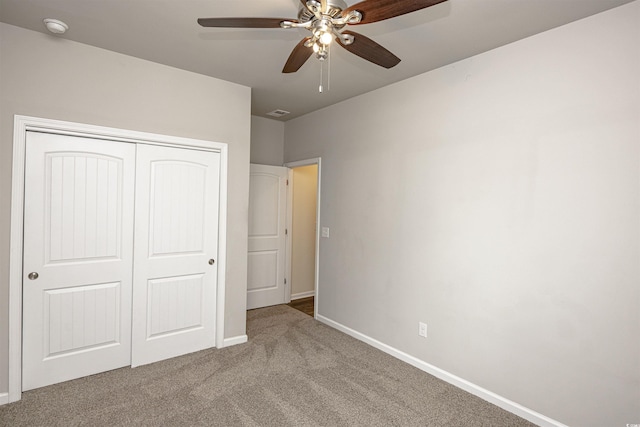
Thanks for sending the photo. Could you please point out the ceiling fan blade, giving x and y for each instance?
(243, 22)
(367, 49)
(298, 57)
(379, 10)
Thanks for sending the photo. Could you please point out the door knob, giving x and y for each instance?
(33, 275)
(212, 261)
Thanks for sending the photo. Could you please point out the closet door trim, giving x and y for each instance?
(24, 124)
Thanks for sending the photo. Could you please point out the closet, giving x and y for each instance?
(120, 254)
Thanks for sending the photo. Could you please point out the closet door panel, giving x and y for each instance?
(175, 274)
(78, 257)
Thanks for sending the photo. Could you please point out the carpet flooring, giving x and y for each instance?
(294, 371)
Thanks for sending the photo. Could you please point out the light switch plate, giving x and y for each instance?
(422, 329)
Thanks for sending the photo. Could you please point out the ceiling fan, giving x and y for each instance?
(326, 20)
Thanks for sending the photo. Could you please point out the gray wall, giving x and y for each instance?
(44, 76)
(267, 141)
(497, 200)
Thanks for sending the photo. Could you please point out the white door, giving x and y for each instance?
(267, 226)
(78, 240)
(176, 238)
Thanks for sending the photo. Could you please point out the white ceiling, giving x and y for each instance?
(165, 31)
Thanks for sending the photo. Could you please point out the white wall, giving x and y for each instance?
(496, 199)
(267, 141)
(48, 77)
(303, 234)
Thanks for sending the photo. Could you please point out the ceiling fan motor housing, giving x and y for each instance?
(334, 8)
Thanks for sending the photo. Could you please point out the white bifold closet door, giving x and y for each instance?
(176, 234)
(91, 302)
(78, 257)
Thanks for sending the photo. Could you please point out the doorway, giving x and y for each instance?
(284, 234)
(303, 244)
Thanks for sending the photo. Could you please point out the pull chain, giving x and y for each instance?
(329, 68)
(321, 67)
(328, 60)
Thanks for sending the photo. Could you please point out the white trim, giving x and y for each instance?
(316, 285)
(228, 342)
(4, 398)
(222, 246)
(15, 259)
(288, 246)
(301, 295)
(489, 396)
(60, 127)
(22, 124)
(306, 162)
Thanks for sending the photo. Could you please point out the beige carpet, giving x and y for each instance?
(294, 371)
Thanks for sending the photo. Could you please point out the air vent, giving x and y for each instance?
(278, 113)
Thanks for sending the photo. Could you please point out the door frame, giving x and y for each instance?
(23, 124)
(316, 280)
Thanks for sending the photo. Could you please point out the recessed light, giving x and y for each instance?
(55, 26)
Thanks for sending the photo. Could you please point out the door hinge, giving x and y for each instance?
(286, 231)
(287, 182)
(285, 281)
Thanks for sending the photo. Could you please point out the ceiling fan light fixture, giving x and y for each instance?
(326, 38)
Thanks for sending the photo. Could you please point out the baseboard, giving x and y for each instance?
(228, 342)
(301, 295)
(4, 398)
(474, 389)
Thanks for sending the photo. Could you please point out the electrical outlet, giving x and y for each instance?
(422, 329)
